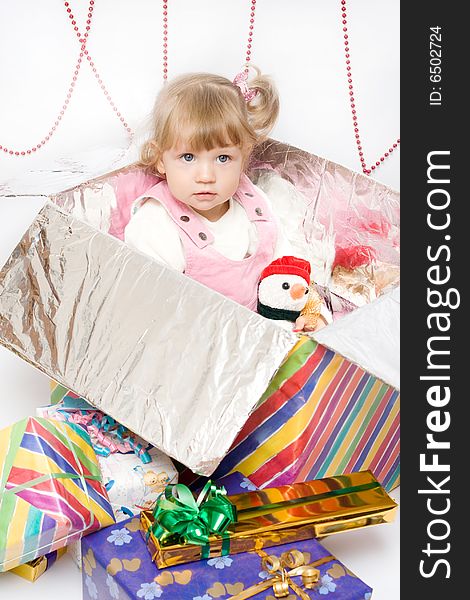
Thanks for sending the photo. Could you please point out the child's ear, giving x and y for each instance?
(160, 167)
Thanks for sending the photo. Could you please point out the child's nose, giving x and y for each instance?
(297, 291)
(205, 173)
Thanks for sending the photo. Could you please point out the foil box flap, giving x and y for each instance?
(175, 362)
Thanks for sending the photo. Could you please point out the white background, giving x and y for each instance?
(300, 43)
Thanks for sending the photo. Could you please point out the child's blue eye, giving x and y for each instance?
(223, 158)
(188, 157)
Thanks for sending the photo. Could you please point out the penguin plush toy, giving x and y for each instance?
(285, 293)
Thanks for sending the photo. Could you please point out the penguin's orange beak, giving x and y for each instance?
(297, 291)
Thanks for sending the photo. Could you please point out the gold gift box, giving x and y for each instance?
(35, 568)
(287, 514)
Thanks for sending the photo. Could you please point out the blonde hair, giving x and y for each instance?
(214, 112)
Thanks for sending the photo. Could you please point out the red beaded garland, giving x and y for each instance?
(365, 170)
(83, 38)
(83, 52)
(165, 37)
(250, 33)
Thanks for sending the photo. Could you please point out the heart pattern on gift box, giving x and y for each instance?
(89, 562)
(115, 565)
(219, 589)
(234, 588)
(133, 525)
(169, 577)
(131, 565)
(336, 571)
(166, 578)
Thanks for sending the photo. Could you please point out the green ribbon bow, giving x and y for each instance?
(179, 518)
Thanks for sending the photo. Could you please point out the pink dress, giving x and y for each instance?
(235, 279)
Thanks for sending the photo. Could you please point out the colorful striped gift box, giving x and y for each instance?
(321, 415)
(50, 489)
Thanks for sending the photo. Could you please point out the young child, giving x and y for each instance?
(206, 218)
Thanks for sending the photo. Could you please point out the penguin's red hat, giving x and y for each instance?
(288, 265)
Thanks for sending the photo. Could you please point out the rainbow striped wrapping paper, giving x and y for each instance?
(50, 491)
(321, 416)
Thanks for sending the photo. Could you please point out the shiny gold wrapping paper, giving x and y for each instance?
(35, 568)
(287, 514)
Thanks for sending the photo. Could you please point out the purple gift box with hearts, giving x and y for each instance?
(116, 565)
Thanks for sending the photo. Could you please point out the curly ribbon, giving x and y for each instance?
(179, 518)
(282, 569)
(107, 435)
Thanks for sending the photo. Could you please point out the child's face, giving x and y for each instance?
(204, 179)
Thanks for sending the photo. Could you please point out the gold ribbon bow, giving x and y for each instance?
(283, 568)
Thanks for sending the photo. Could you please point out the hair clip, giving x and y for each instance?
(240, 81)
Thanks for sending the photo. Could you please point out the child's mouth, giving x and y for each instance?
(205, 195)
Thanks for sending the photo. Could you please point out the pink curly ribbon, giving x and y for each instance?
(240, 81)
(97, 435)
(106, 435)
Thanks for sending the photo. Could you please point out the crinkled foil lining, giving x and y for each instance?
(343, 222)
(326, 211)
(173, 361)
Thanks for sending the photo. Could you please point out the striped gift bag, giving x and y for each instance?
(321, 415)
(50, 489)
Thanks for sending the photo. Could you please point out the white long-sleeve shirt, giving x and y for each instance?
(152, 231)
